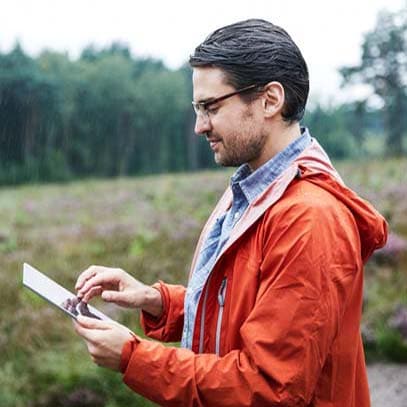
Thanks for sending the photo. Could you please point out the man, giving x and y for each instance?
(272, 310)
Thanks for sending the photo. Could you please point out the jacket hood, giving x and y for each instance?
(315, 167)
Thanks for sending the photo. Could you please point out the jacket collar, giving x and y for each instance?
(313, 158)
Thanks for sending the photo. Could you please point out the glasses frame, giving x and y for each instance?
(202, 107)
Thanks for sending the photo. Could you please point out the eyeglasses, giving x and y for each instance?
(201, 108)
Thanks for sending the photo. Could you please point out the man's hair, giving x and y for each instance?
(257, 52)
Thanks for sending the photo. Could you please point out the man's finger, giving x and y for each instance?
(85, 276)
(106, 277)
(116, 297)
(91, 335)
(93, 292)
(92, 323)
(87, 334)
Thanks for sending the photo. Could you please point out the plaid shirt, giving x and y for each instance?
(246, 186)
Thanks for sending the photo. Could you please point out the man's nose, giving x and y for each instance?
(202, 124)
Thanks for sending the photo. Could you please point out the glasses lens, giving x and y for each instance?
(200, 109)
(196, 107)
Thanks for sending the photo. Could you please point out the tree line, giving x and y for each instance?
(109, 113)
(105, 114)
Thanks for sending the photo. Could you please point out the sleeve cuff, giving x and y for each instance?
(128, 349)
(148, 321)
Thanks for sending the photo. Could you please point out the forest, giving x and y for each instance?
(109, 113)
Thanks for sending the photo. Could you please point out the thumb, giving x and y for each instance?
(92, 323)
(116, 297)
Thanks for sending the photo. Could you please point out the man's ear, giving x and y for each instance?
(273, 99)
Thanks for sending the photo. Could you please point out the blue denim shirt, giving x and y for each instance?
(246, 186)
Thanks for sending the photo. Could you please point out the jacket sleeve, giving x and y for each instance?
(168, 327)
(311, 257)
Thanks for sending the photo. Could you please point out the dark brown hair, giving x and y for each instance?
(257, 52)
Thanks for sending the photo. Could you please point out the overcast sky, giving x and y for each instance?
(329, 33)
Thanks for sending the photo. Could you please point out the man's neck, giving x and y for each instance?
(280, 136)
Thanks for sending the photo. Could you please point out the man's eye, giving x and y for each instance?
(212, 109)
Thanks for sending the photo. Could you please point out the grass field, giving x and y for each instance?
(149, 227)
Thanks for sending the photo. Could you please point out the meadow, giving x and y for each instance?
(149, 227)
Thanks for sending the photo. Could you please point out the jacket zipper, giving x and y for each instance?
(202, 327)
(221, 301)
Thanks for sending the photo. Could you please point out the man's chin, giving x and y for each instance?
(219, 160)
(224, 162)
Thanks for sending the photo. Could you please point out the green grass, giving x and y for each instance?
(149, 227)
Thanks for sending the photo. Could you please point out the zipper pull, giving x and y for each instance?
(221, 300)
(221, 293)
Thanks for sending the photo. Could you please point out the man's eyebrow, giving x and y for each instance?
(205, 101)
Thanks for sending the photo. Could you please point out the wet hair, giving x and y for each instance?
(257, 52)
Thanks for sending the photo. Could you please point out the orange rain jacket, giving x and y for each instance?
(278, 322)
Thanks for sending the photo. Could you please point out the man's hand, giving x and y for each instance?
(104, 339)
(117, 286)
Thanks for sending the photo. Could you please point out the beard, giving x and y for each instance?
(244, 146)
(236, 154)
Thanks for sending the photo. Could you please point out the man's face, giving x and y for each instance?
(233, 128)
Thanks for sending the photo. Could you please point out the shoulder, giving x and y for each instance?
(306, 204)
(309, 222)
(306, 195)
